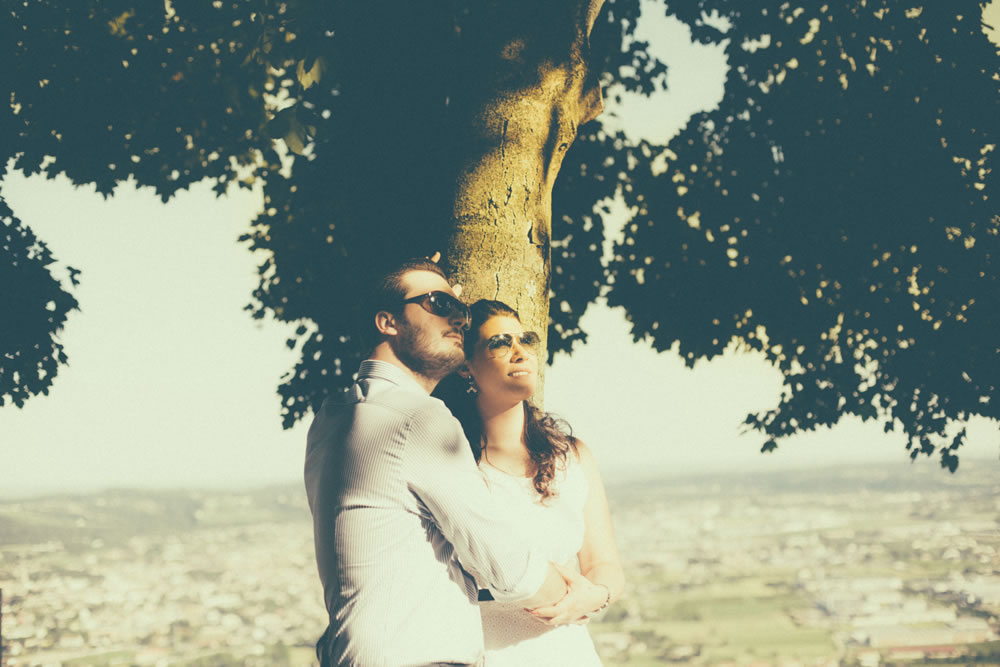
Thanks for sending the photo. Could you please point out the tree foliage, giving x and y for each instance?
(832, 213)
(835, 213)
(346, 113)
(35, 307)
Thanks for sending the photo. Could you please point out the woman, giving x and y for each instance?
(549, 477)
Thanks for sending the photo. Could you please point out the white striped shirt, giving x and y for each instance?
(397, 502)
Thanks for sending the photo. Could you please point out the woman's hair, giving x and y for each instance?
(548, 438)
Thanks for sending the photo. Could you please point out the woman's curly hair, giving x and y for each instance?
(549, 439)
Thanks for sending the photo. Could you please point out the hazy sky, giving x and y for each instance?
(171, 383)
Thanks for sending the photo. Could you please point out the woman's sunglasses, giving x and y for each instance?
(501, 345)
(443, 305)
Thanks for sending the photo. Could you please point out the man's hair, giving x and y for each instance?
(387, 294)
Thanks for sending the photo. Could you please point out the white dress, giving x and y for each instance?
(512, 636)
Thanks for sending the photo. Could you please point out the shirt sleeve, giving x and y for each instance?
(487, 539)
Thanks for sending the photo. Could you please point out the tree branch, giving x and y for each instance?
(592, 101)
(590, 10)
(592, 97)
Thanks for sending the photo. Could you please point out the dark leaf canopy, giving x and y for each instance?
(834, 212)
(342, 111)
(34, 309)
(166, 93)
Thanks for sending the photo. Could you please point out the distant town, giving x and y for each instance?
(850, 566)
(845, 566)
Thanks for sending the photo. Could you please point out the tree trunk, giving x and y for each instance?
(441, 127)
(417, 127)
(530, 90)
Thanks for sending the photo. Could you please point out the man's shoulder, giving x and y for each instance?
(426, 420)
(398, 402)
(417, 409)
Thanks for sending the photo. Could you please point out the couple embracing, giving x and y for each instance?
(435, 552)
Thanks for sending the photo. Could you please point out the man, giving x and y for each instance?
(400, 513)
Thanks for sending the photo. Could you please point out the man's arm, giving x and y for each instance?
(553, 590)
(487, 539)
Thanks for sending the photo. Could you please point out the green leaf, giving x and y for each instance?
(307, 77)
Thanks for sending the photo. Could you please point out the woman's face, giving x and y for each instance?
(503, 371)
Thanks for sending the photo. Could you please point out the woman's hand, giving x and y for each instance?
(582, 599)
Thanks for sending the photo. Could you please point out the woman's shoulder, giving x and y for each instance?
(582, 459)
(580, 453)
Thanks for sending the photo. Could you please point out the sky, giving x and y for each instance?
(171, 384)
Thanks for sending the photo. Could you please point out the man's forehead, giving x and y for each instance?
(420, 282)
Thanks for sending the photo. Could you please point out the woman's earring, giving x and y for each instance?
(471, 388)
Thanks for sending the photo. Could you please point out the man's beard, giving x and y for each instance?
(415, 348)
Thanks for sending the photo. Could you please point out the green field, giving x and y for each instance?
(736, 621)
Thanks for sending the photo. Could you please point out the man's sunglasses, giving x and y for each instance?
(501, 345)
(443, 305)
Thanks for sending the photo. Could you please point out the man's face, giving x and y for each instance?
(428, 344)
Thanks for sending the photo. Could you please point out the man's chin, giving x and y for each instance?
(449, 360)
(456, 360)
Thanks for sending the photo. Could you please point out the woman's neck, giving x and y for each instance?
(503, 431)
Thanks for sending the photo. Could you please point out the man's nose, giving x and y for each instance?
(458, 321)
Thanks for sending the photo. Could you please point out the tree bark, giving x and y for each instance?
(535, 88)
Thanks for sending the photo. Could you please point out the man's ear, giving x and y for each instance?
(385, 322)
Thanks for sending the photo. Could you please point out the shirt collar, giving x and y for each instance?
(383, 370)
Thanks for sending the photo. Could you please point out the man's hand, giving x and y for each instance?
(581, 600)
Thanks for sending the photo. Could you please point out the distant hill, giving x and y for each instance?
(974, 477)
(114, 516)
